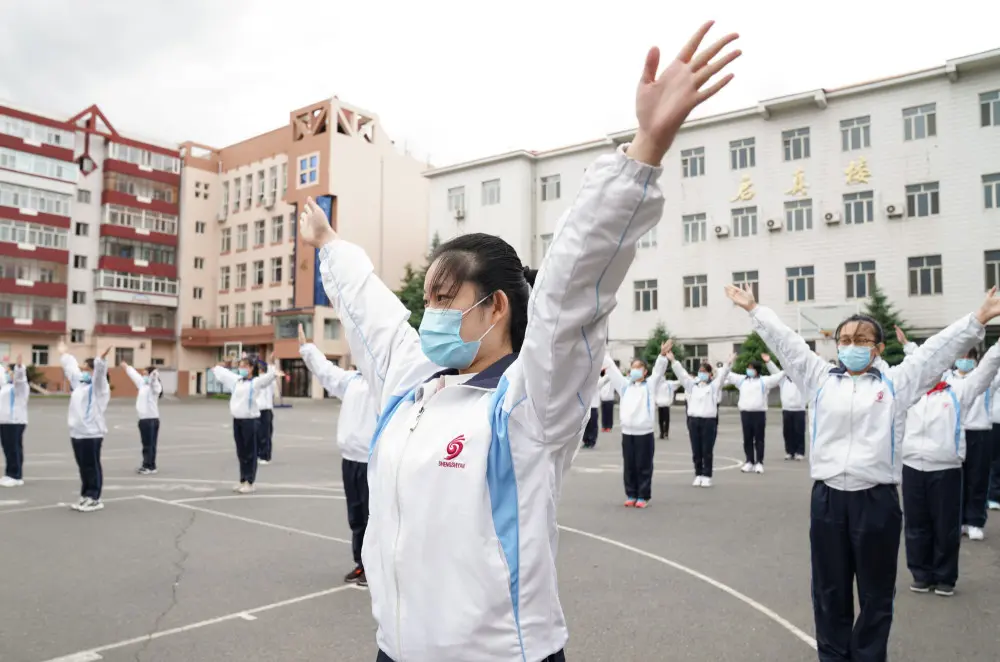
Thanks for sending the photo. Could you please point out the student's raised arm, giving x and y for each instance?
(267, 379)
(595, 243)
(614, 375)
(100, 379)
(981, 379)
(132, 373)
(22, 389)
(225, 376)
(683, 378)
(70, 366)
(155, 384)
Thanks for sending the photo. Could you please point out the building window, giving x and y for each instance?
(240, 314)
(83, 196)
(795, 144)
(920, 122)
(284, 179)
(991, 190)
(800, 284)
(79, 297)
(77, 335)
(744, 221)
(225, 198)
(291, 269)
(248, 192)
(696, 291)
(79, 261)
(456, 199)
(197, 293)
(124, 354)
(859, 207)
(925, 275)
(308, 170)
(258, 273)
(257, 313)
(695, 228)
(277, 229)
(647, 240)
(491, 192)
(199, 227)
(546, 243)
(260, 185)
(82, 230)
(198, 322)
(39, 355)
(693, 162)
(696, 355)
(259, 232)
(750, 278)
(276, 269)
(291, 227)
(860, 279)
(331, 329)
(223, 317)
(992, 259)
(199, 263)
(224, 278)
(742, 154)
(241, 276)
(922, 199)
(551, 188)
(241, 237)
(989, 108)
(645, 295)
(855, 133)
(272, 176)
(237, 192)
(798, 215)
(273, 305)
(227, 243)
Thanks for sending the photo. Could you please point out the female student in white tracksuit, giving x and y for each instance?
(467, 464)
(14, 393)
(666, 391)
(793, 413)
(858, 420)
(147, 405)
(753, 388)
(933, 453)
(244, 385)
(606, 394)
(701, 401)
(636, 395)
(355, 427)
(265, 424)
(88, 401)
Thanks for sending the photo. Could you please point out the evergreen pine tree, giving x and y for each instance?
(659, 336)
(881, 309)
(412, 291)
(750, 350)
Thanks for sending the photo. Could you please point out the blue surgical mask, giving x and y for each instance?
(702, 376)
(85, 378)
(751, 372)
(635, 374)
(145, 380)
(965, 365)
(243, 372)
(855, 358)
(441, 337)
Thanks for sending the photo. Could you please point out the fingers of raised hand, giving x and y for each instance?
(691, 47)
(703, 60)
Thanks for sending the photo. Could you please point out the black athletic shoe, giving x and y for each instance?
(944, 590)
(355, 576)
(362, 580)
(921, 587)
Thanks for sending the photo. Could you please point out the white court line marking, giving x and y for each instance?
(52, 506)
(248, 617)
(753, 604)
(12, 503)
(78, 657)
(270, 525)
(283, 486)
(258, 496)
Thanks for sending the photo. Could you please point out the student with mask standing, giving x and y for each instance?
(666, 391)
(859, 417)
(793, 412)
(265, 424)
(148, 407)
(753, 389)
(355, 427)
(702, 396)
(14, 393)
(88, 400)
(492, 435)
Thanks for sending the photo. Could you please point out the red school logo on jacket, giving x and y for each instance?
(453, 450)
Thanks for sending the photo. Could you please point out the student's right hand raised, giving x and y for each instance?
(302, 335)
(990, 308)
(741, 296)
(314, 226)
(901, 336)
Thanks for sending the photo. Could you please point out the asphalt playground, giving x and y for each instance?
(176, 568)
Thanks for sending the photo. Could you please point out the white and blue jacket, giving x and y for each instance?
(147, 401)
(14, 394)
(358, 410)
(753, 390)
(701, 398)
(935, 426)
(791, 396)
(87, 402)
(243, 401)
(466, 471)
(637, 401)
(857, 423)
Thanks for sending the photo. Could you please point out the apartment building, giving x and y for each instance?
(809, 199)
(248, 282)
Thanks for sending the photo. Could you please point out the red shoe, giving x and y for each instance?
(629, 503)
(641, 503)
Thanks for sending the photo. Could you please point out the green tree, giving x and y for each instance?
(649, 353)
(412, 291)
(750, 350)
(881, 309)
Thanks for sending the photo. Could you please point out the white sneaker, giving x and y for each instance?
(91, 506)
(706, 481)
(758, 468)
(790, 456)
(79, 505)
(143, 471)
(246, 488)
(799, 457)
(263, 461)
(993, 505)
(975, 533)
(965, 529)
(238, 488)
(7, 481)
(697, 481)
(747, 468)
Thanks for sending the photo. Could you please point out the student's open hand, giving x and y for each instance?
(61, 347)
(666, 347)
(123, 365)
(990, 308)
(19, 362)
(670, 356)
(765, 357)
(105, 353)
(901, 336)
(302, 335)
(732, 359)
(663, 102)
(741, 296)
(314, 226)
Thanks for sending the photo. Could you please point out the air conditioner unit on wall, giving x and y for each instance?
(721, 230)
(774, 225)
(221, 216)
(894, 210)
(459, 214)
(831, 217)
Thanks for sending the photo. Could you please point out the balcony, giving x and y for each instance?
(32, 278)
(217, 337)
(31, 315)
(36, 135)
(139, 224)
(139, 193)
(34, 205)
(135, 322)
(141, 171)
(118, 287)
(136, 257)
(32, 241)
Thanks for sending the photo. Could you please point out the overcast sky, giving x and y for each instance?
(453, 80)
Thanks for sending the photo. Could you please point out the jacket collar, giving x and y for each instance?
(488, 378)
(841, 370)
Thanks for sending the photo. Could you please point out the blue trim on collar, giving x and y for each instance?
(842, 370)
(488, 378)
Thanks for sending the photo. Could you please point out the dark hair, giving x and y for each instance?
(89, 363)
(707, 367)
(863, 319)
(492, 265)
(150, 369)
(638, 359)
(754, 365)
(972, 354)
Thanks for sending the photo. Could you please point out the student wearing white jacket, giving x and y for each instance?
(793, 412)
(702, 396)
(14, 393)
(666, 391)
(858, 419)
(636, 409)
(88, 400)
(355, 428)
(147, 405)
(753, 388)
(265, 424)
(244, 385)
(467, 463)
(934, 448)
(606, 394)
(993, 498)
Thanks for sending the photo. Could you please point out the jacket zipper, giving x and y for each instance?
(399, 526)
(850, 439)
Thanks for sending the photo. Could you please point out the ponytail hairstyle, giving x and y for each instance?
(491, 265)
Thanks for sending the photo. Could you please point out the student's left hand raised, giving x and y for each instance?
(765, 357)
(741, 296)
(990, 308)
(666, 347)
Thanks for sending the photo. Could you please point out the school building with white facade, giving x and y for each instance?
(810, 198)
